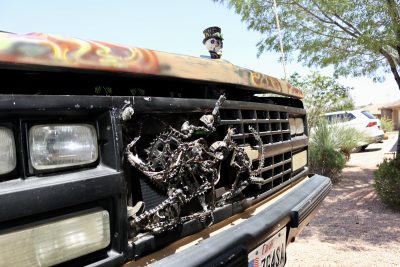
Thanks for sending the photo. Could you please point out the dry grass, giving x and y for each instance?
(353, 227)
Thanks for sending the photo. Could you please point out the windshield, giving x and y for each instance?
(369, 115)
(340, 117)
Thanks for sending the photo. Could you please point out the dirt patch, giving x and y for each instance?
(352, 227)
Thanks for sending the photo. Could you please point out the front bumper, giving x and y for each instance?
(230, 247)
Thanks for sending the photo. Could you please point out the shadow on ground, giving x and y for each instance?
(353, 212)
(370, 150)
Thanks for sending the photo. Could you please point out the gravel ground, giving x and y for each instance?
(352, 227)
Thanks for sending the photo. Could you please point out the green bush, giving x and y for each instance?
(330, 147)
(387, 182)
(325, 155)
(327, 161)
(387, 124)
(346, 138)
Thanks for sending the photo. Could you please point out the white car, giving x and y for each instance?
(360, 120)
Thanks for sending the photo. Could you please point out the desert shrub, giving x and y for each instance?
(387, 124)
(348, 139)
(387, 182)
(325, 155)
(341, 137)
(327, 161)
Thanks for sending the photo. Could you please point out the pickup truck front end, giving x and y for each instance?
(114, 155)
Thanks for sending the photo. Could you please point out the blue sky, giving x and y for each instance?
(172, 26)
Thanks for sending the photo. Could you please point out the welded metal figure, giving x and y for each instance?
(187, 170)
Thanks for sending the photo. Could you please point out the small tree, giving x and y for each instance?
(322, 94)
(356, 37)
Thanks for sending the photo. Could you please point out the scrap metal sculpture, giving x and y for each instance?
(187, 169)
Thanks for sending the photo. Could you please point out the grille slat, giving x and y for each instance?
(273, 128)
(227, 122)
(273, 178)
(276, 165)
(238, 121)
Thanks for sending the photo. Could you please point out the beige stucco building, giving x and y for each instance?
(374, 109)
(392, 111)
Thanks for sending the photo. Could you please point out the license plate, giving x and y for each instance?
(271, 253)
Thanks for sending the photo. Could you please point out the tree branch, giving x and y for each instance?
(329, 21)
(353, 33)
(326, 35)
(392, 64)
(348, 24)
(311, 13)
(395, 16)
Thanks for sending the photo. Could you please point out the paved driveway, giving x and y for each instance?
(353, 227)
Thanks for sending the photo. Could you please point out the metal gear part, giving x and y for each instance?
(161, 149)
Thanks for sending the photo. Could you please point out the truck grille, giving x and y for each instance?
(154, 121)
(270, 121)
(273, 128)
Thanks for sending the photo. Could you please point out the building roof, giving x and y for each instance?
(395, 104)
(372, 108)
(50, 52)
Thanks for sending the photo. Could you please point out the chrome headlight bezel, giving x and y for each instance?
(56, 132)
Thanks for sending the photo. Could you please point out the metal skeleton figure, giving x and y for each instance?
(188, 169)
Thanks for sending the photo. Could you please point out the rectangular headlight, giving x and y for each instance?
(60, 240)
(56, 146)
(299, 126)
(292, 125)
(296, 126)
(8, 159)
(299, 160)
